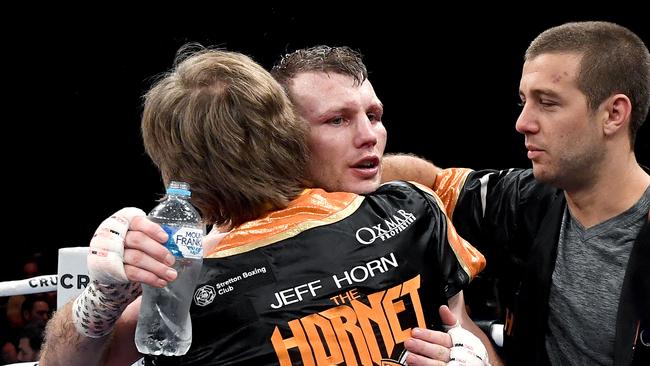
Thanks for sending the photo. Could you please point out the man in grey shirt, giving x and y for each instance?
(567, 240)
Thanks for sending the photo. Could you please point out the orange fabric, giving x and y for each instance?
(314, 207)
(448, 185)
(472, 261)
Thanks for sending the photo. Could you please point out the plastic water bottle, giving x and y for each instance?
(164, 325)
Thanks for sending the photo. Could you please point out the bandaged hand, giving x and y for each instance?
(106, 253)
(97, 309)
(466, 348)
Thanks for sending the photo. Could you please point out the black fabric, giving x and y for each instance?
(633, 317)
(530, 309)
(518, 234)
(403, 276)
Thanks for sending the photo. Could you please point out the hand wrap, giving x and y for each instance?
(97, 309)
(467, 349)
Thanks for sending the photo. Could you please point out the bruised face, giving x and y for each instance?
(346, 137)
(564, 137)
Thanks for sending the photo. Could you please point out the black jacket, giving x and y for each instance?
(518, 232)
(333, 278)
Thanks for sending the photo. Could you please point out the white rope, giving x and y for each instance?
(73, 277)
(27, 286)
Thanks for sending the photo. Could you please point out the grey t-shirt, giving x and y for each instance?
(586, 286)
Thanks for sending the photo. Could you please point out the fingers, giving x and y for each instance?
(109, 236)
(107, 247)
(448, 318)
(417, 360)
(427, 346)
(146, 259)
(433, 337)
(148, 237)
(140, 267)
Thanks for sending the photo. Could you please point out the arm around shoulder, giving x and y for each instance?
(410, 168)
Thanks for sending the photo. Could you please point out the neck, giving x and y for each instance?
(611, 190)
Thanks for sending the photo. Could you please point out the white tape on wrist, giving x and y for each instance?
(467, 349)
(97, 309)
(106, 254)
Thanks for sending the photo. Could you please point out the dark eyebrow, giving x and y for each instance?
(333, 111)
(376, 107)
(542, 91)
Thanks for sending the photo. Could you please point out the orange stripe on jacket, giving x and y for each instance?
(469, 257)
(314, 207)
(448, 185)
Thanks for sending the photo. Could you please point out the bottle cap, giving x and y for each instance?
(179, 189)
(179, 192)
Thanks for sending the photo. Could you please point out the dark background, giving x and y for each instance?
(71, 151)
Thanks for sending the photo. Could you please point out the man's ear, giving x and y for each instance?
(618, 109)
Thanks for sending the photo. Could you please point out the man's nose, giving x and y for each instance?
(527, 121)
(366, 134)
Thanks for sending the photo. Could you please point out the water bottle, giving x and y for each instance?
(164, 325)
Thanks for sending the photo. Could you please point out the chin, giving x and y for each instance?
(544, 175)
(363, 187)
(538, 173)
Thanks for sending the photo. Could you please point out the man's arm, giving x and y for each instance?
(72, 339)
(408, 167)
(64, 345)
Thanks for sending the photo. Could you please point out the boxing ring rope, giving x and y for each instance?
(69, 282)
(28, 286)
